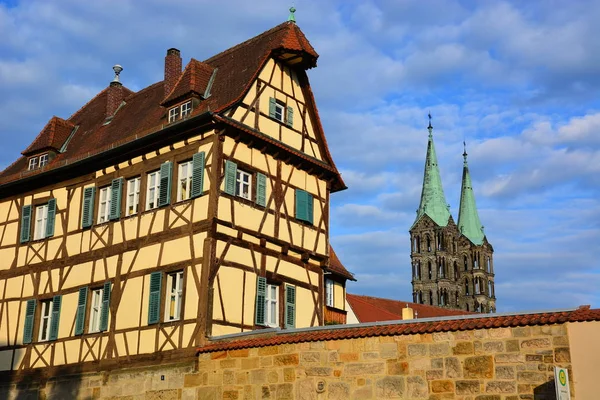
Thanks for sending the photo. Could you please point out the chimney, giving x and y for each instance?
(172, 69)
(408, 313)
(115, 93)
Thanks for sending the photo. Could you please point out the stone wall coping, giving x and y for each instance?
(275, 336)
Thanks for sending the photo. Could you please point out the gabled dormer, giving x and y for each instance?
(48, 143)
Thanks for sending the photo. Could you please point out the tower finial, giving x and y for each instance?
(117, 68)
(430, 128)
(465, 153)
(292, 17)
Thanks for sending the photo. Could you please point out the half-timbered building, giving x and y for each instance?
(149, 221)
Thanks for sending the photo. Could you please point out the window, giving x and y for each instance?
(104, 205)
(279, 111)
(33, 163)
(174, 295)
(45, 320)
(153, 190)
(271, 307)
(96, 310)
(185, 180)
(243, 184)
(304, 206)
(180, 112)
(41, 221)
(43, 160)
(329, 292)
(133, 196)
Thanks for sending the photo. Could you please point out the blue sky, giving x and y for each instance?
(519, 81)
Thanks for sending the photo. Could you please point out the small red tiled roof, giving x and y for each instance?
(142, 112)
(336, 266)
(54, 134)
(374, 309)
(194, 79)
(446, 324)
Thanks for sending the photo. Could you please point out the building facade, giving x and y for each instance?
(452, 264)
(150, 221)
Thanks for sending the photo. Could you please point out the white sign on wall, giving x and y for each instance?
(561, 380)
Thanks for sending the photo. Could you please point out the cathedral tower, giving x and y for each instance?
(452, 265)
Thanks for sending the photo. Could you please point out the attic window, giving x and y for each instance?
(38, 162)
(180, 112)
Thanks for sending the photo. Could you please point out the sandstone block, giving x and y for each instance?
(268, 351)
(238, 353)
(333, 356)
(389, 387)
(534, 357)
(289, 374)
(218, 355)
(208, 393)
(370, 355)
(493, 347)
(505, 372)
(439, 349)
(437, 363)
(442, 337)
(434, 374)
(354, 369)
(452, 367)
(442, 386)
(347, 357)
(310, 357)
(272, 377)
(512, 346)
(397, 367)
(305, 390)
(319, 371)
(229, 377)
(388, 350)
(417, 350)
(191, 380)
(536, 343)
(228, 363)
(487, 397)
(258, 376)
(467, 387)
(521, 331)
(338, 391)
(230, 395)
(417, 387)
(250, 363)
(509, 358)
(363, 393)
(286, 359)
(560, 341)
(562, 354)
(169, 394)
(501, 387)
(500, 333)
(463, 348)
(531, 377)
(478, 367)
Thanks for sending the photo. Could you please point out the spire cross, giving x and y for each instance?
(430, 128)
(292, 17)
(465, 153)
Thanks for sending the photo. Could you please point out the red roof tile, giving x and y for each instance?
(142, 112)
(54, 134)
(336, 266)
(373, 309)
(446, 324)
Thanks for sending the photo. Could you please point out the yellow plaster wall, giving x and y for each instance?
(339, 296)
(585, 356)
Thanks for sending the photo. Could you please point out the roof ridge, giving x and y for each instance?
(246, 42)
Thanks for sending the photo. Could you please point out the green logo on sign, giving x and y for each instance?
(562, 377)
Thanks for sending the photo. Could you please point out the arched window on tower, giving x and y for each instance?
(431, 297)
(428, 243)
(457, 299)
(441, 268)
(490, 289)
(455, 270)
(488, 265)
(477, 287)
(466, 263)
(439, 241)
(468, 307)
(420, 297)
(475, 261)
(416, 244)
(466, 287)
(430, 270)
(418, 269)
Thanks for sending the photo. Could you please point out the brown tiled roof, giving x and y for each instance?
(374, 309)
(142, 112)
(54, 134)
(194, 79)
(445, 324)
(336, 266)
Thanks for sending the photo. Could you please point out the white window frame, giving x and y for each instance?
(184, 177)
(133, 196)
(45, 320)
(33, 163)
(272, 306)
(96, 310)
(174, 114)
(186, 109)
(43, 160)
(41, 221)
(329, 301)
(153, 190)
(104, 200)
(279, 109)
(174, 296)
(240, 184)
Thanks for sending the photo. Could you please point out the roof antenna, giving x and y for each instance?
(117, 68)
(292, 17)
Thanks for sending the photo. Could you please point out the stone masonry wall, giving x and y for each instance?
(487, 364)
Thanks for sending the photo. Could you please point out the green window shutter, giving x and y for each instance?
(116, 188)
(25, 223)
(290, 116)
(51, 218)
(105, 307)
(164, 196)
(154, 304)
(198, 174)
(29, 316)
(290, 306)
(301, 206)
(230, 177)
(87, 213)
(272, 103)
(261, 189)
(261, 293)
(56, 301)
(309, 208)
(80, 313)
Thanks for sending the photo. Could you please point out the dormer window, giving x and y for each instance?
(43, 160)
(33, 163)
(38, 162)
(180, 111)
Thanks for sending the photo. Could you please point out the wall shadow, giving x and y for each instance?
(545, 391)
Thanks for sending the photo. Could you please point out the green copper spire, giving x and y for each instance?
(468, 218)
(433, 201)
(292, 17)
